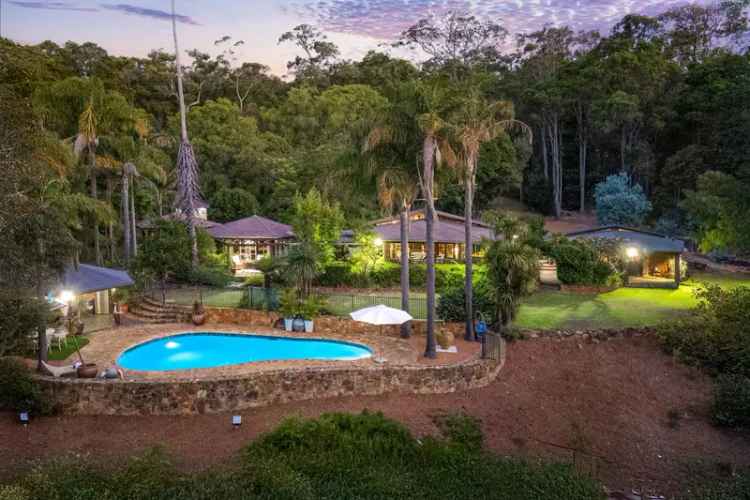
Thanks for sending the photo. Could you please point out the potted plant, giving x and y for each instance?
(199, 313)
(120, 297)
(310, 309)
(86, 370)
(289, 308)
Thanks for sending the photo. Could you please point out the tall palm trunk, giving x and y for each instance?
(126, 216)
(428, 157)
(94, 195)
(111, 225)
(133, 232)
(404, 216)
(469, 249)
(186, 149)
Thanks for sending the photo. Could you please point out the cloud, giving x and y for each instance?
(152, 13)
(386, 19)
(52, 6)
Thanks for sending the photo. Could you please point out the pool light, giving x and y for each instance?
(171, 345)
(632, 252)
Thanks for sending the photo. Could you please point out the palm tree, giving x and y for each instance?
(479, 121)
(397, 191)
(512, 268)
(303, 265)
(128, 172)
(87, 140)
(188, 190)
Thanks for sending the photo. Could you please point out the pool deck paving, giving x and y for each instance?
(106, 346)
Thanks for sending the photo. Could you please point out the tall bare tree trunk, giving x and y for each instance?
(125, 215)
(404, 216)
(132, 220)
(428, 157)
(469, 248)
(111, 225)
(95, 195)
(554, 136)
(190, 216)
(545, 157)
(623, 147)
(582, 154)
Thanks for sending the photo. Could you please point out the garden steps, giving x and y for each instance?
(151, 310)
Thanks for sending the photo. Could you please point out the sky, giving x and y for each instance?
(138, 26)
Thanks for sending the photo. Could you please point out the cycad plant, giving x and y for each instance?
(87, 140)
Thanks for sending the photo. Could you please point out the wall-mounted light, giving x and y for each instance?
(66, 297)
(632, 252)
(378, 242)
(236, 421)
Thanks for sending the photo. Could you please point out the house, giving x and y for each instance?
(653, 260)
(248, 240)
(449, 235)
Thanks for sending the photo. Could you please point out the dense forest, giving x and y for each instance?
(664, 99)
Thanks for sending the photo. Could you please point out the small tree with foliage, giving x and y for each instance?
(317, 222)
(367, 254)
(512, 267)
(230, 204)
(619, 203)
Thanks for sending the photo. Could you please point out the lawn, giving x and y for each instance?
(625, 307)
(68, 348)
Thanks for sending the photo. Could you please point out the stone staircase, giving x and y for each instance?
(151, 310)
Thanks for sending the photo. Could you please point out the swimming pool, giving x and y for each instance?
(209, 350)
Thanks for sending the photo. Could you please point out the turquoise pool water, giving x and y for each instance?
(208, 350)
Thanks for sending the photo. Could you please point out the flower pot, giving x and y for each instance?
(445, 339)
(199, 319)
(124, 308)
(89, 370)
(288, 322)
(308, 326)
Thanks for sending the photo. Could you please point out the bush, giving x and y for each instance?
(580, 262)
(452, 303)
(364, 456)
(18, 389)
(336, 274)
(210, 276)
(716, 335)
(732, 401)
(388, 275)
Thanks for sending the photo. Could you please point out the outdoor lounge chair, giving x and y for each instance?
(59, 371)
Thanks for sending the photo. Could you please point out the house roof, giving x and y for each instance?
(647, 241)
(419, 214)
(87, 278)
(252, 228)
(444, 232)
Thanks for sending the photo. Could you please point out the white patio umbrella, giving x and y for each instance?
(381, 315)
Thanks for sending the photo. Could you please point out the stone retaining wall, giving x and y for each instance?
(323, 324)
(184, 397)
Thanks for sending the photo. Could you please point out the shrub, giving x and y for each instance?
(580, 262)
(716, 335)
(732, 401)
(336, 274)
(452, 303)
(18, 389)
(364, 456)
(386, 275)
(210, 276)
(461, 429)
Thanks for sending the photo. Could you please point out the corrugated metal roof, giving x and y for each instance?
(88, 278)
(252, 228)
(644, 240)
(445, 232)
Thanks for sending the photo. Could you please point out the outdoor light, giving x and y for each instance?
(66, 296)
(631, 252)
(171, 345)
(515, 236)
(378, 242)
(23, 417)
(236, 421)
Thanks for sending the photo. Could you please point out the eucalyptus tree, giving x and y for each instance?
(188, 189)
(319, 52)
(477, 122)
(87, 139)
(129, 171)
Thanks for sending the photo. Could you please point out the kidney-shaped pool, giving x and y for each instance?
(209, 350)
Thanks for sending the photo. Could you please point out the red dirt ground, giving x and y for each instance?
(612, 399)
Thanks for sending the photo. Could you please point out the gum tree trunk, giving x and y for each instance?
(468, 252)
(428, 157)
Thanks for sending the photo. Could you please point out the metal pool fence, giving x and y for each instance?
(339, 304)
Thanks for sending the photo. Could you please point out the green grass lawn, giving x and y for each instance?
(68, 348)
(622, 308)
